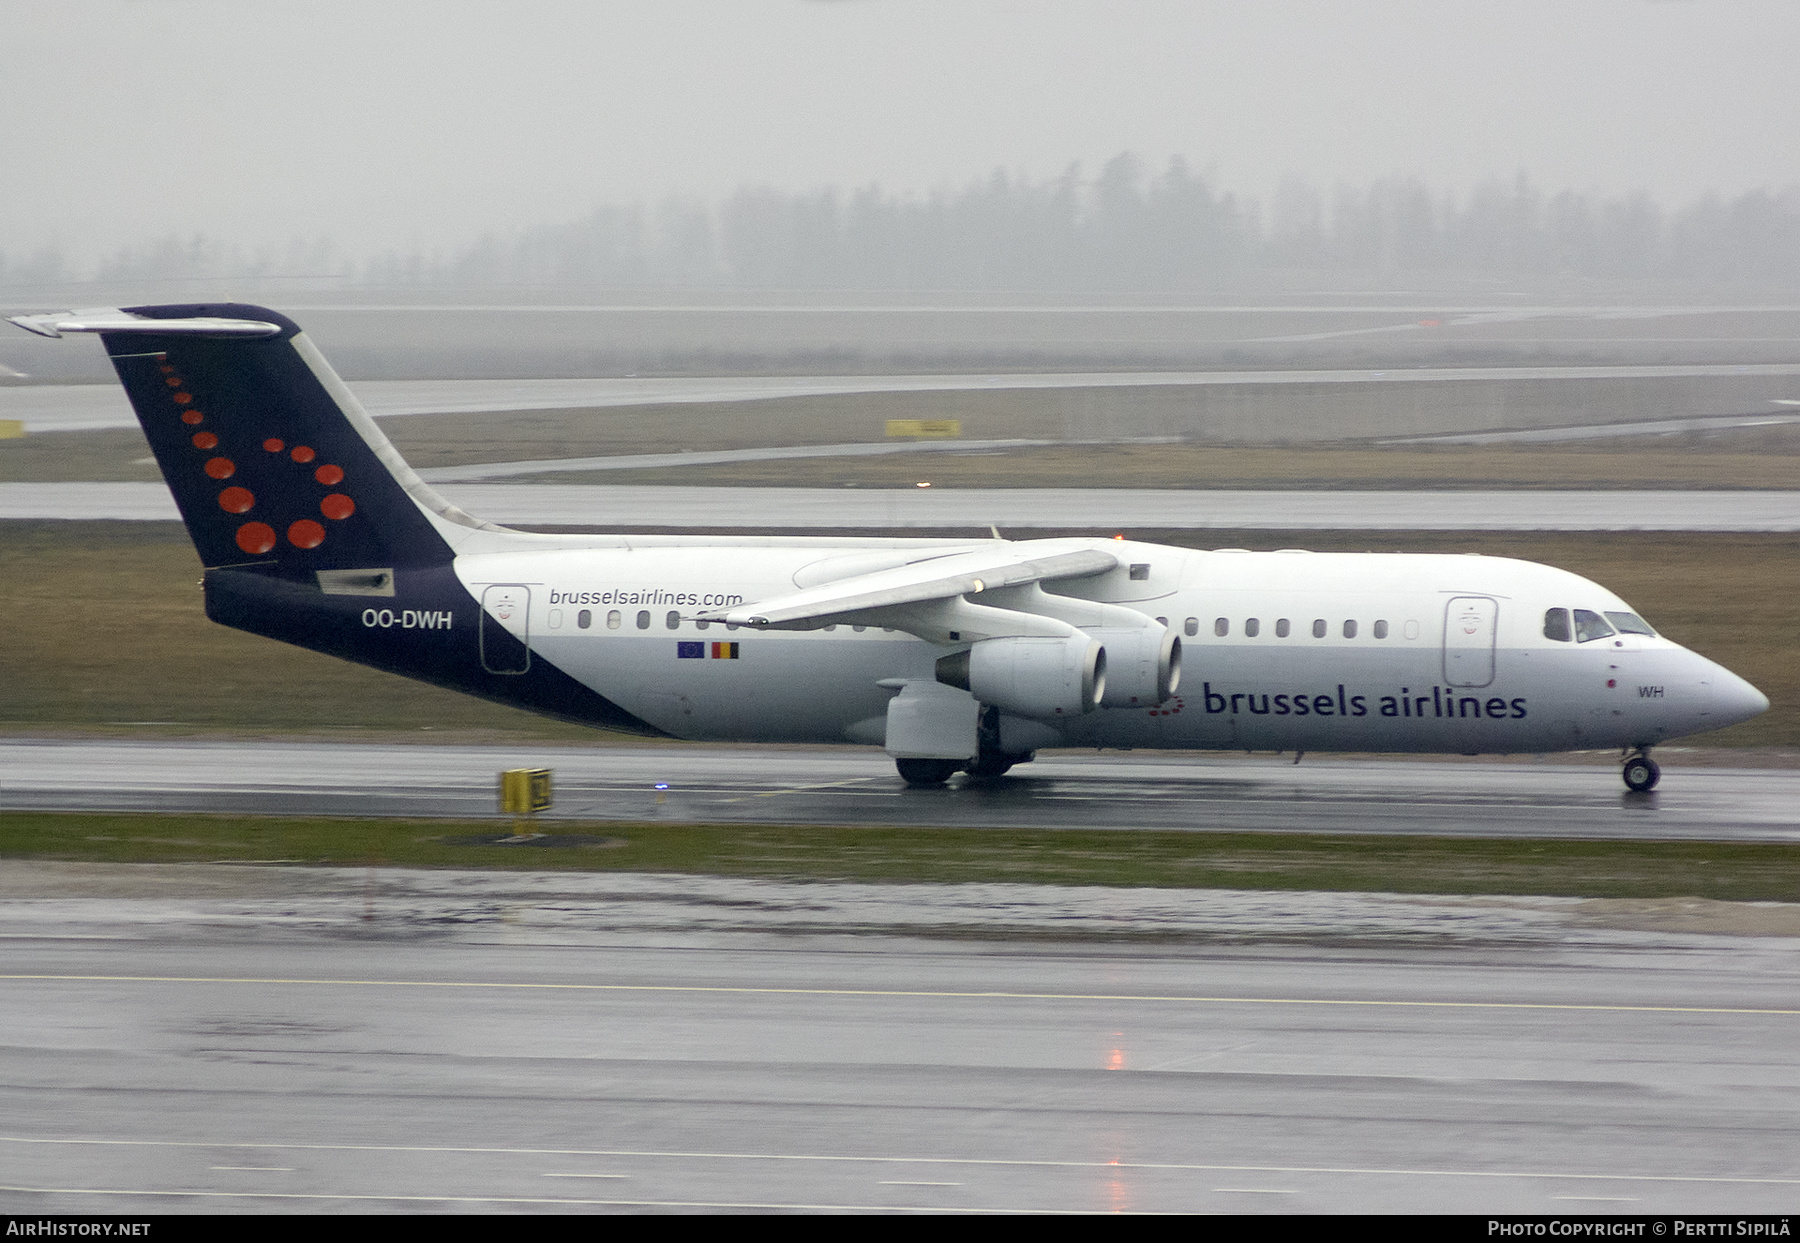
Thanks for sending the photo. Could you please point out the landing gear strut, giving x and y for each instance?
(1641, 772)
(990, 760)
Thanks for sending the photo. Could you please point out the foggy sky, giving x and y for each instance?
(407, 123)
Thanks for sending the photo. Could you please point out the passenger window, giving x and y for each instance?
(1222, 627)
(832, 626)
(1411, 629)
(613, 619)
(585, 618)
(1319, 628)
(644, 619)
(1140, 573)
(1252, 627)
(1556, 625)
(1191, 627)
(1162, 621)
(1349, 630)
(673, 620)
(702, 624)
(1381, 630)
(858, 629)
(1282, 628)
(1590, 626)
(1629, 623)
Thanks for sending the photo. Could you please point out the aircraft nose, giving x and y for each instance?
(1734, 699)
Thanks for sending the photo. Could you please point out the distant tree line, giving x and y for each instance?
(1127, 229)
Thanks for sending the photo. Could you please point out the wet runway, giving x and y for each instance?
(783, 785)
(255, 1039)
(676, 508)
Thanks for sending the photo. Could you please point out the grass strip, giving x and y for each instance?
(1725, 871)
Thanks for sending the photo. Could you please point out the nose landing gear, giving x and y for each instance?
(1641, 772)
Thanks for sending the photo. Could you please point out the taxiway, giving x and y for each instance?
(934, 509)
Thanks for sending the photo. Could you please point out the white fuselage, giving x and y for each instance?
(1281, 651)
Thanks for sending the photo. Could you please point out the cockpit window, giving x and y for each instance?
(1556, 625)
(1629, 623)
(1590, 626)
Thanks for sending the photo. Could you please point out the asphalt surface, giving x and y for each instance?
(780, 785)
(235, 1040)
(675, 508)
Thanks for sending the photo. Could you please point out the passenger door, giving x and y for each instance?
(506, 628)
(1470, 626)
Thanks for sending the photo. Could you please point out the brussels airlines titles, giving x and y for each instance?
(1440, 703)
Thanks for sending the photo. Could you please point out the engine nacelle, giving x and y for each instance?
(1030, 676)
(1143, 666)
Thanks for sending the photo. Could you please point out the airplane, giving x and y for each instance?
(956, 656)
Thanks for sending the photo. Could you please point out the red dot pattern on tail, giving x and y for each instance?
(256, 538)
(306, 534)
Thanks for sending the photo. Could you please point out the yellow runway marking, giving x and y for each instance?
(822, 785)
(257, 1169)
(896, 992)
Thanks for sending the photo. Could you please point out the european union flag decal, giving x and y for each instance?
(690, 651)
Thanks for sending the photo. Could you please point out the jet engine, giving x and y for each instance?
(1043, 677)
(1143, 665)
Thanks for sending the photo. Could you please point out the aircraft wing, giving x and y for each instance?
(942, 578)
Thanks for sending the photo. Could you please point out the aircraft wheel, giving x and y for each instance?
(927, 774)
(1641, 773)
(995, 763)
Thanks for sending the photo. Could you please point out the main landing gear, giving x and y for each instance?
(991, 764)
(990, 760)
(928, 774)
(1641, 772)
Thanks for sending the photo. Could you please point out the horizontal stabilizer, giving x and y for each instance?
(940, 578)
(112, 319)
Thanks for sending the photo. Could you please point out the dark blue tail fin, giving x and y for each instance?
(313, 529)
(269, 456)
